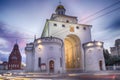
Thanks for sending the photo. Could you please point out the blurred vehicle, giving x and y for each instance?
(7, 74)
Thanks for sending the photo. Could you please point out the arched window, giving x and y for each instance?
(100, 65)
(39, 62)
(67, 21)
(14, 57)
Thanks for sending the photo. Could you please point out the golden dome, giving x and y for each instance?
(60, 7)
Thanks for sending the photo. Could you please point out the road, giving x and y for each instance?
(75, 76)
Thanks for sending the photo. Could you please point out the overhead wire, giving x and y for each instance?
(94, 14)
(87, 17)
(15, 37)
(60, 31)
(103, 14)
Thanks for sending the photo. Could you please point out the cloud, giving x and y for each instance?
(115, 25)
(3, 41)
(8, 39)
(113, 30)
(4, 55)
(8, 36)
(4, 52)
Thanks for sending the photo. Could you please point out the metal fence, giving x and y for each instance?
(113, 67)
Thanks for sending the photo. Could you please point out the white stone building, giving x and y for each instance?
(64, 45)
(115, 51)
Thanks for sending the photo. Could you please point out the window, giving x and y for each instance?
(14, 58)
(84, 28)
(77, 27)
(90, 50)
(58, 12)
(63, 25)
(39, 61)
(55, 24)
(67, 21)
(60, 62)
(62, 13)
(100, 65)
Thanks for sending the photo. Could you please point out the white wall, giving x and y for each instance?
(29, 61)
(64, 18)
(63, 32)
(94, 54)
(49, 51)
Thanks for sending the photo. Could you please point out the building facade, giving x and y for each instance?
(93, 54)
(74, 53)
(115, 51)
(14, 62)
(4, 65)
(45, 55)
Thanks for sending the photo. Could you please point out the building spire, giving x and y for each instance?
(60, 10)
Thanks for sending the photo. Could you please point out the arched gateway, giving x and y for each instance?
(72, 47)
(68, 42)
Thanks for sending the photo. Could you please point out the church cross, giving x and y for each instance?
(59, 2)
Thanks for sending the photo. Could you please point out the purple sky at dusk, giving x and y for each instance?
(22, 19)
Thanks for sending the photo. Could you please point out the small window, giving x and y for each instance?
(62, 12)
(67, 21)
(39, 49)
(90, 50)
(60, 62)
(84, 28)
(63, 25)
(39, 61)
(58, 12)
(101, 65)
(55, 24)
(14, 58)
(77, 27)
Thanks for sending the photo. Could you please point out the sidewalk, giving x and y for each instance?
(90, 73)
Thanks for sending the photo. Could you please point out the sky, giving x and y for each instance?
(20, 20)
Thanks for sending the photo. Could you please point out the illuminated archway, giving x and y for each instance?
(72, 47)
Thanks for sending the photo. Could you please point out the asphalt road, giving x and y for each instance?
(76, 76)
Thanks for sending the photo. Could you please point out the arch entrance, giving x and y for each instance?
(51, 66)
(72, 47)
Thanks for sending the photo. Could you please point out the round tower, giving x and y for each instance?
(46, 55)
(93, 56)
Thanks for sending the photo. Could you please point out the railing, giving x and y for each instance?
(113, 67)
(17, 71)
